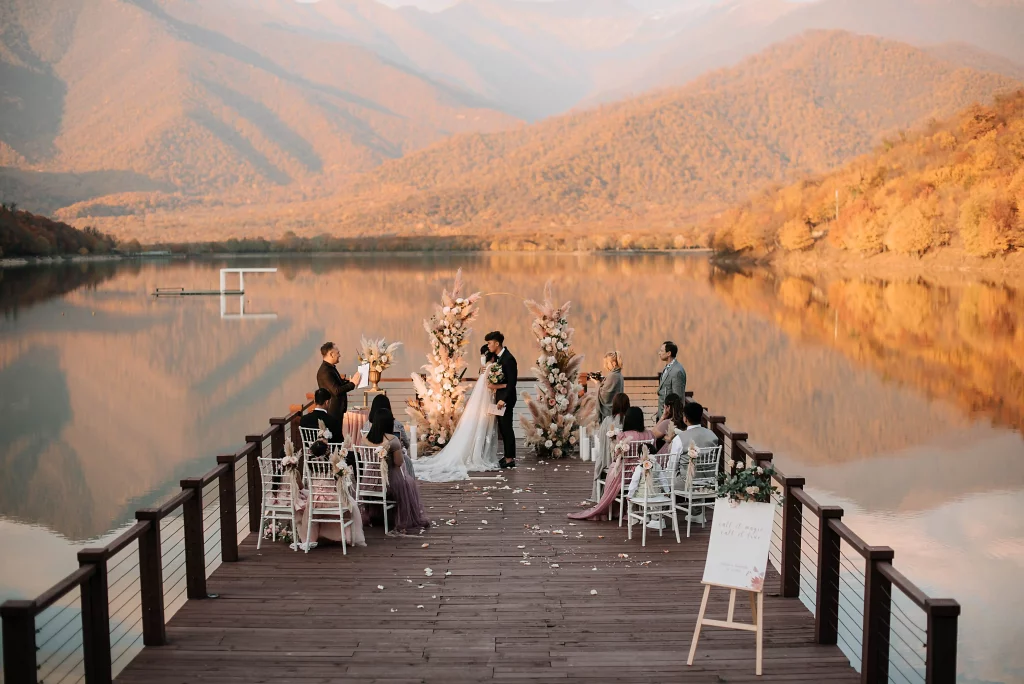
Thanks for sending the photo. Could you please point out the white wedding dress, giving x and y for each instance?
(472, 448)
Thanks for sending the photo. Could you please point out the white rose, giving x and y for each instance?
(548, 443)
(447, 386)
(446, 310)
(460, 300)
(554, 427)
(456, 310)
(560, 346)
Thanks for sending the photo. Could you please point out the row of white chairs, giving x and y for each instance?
(323, 505)
(696, 495)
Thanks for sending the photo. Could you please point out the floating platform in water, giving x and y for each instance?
(182, 292)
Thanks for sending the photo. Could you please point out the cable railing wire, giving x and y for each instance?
(74, 618)
(53, 617)
(63, 660)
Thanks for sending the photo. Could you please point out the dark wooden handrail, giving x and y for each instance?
(125, 538)
(61, 589)
(91, 577)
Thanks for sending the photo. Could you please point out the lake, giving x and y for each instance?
(902, 401)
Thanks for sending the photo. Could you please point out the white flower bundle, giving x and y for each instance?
(557, 411)
(378, 353)
(440, 395)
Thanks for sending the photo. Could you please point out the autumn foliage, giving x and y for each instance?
(958, 182)
(25, 234)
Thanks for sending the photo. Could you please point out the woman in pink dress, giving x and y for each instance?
(632, 430)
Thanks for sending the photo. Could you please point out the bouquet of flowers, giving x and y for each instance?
(279, 530)
(747, 484)
(495, 375)
(558, 411)
(440, 395)
(378, 353)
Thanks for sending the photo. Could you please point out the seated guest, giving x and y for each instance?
(321, 398)
(602, 457)
(632, 430)
(691, 431)
(408, 511)
(325, 493)
(319, 413)
(670, 417)
(381, 401)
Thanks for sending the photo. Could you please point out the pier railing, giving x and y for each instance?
(89, 625)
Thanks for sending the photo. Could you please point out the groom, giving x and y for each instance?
(505, 395)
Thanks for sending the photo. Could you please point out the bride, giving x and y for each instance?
(473, 446)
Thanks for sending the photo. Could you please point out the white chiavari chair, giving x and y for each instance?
(323, 505)
(370, 490)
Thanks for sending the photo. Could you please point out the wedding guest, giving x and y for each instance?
(330, 379)
(670, 417)
(632, 430)
(612, 384)
(327, 494)
(673, 377)
(602, 457)
(690, 430)
(408, 512)
(381, 401)
(321, 399)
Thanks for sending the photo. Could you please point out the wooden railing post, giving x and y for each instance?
(736, 438)
(877, 614)
(826, 608)
(293, 424)
(195, 553)
(95, 618)
(228, 510)
(277, 437)
(792, 537)
(151, 579)
(255, 488)
(940, 653)
(19, 628)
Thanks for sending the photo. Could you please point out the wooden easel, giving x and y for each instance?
(756, 612)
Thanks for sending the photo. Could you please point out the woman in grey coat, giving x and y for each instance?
(611, 385)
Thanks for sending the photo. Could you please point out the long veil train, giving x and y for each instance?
(473, 446)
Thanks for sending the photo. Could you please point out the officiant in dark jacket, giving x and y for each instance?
(505, 392)
(330, 379)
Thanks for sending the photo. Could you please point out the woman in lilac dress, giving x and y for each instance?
(632, 430)
(408, 512)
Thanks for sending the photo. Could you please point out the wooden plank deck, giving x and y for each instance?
(504, 613)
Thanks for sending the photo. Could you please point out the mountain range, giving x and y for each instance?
(235, 116)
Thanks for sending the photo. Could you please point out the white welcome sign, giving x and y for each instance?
(741, 536)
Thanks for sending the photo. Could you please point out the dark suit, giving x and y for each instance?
(329, 378)
(510, 369)
(312, 419)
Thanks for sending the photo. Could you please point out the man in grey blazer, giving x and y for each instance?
(673, 377)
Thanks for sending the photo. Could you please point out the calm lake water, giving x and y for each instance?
(903, 402)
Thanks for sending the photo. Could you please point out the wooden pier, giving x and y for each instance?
(517, 605)
(512, 598)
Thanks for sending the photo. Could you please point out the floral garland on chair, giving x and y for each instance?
(342, 476)
(557, 412)
(440, 396)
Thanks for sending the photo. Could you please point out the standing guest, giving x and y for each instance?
(504, 395)
(673, 377)
(330, 379)
(612, 384)
(670, 417)
(602, 457)
(408, 510)
(632, 430)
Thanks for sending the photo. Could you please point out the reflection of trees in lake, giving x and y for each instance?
(22, 287)
(958, 342)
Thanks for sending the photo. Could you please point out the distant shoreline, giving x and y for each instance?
(17, 262)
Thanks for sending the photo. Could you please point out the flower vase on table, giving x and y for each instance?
(379, 355)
